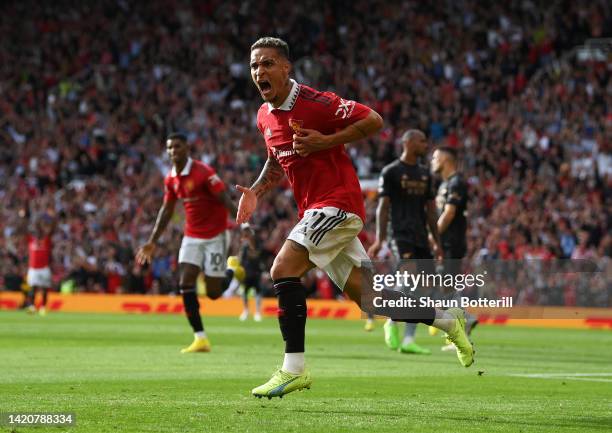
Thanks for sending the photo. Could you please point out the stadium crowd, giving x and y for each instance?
(89, 90)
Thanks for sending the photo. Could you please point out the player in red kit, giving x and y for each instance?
(305, 131)
(206, 239)
(39, 260)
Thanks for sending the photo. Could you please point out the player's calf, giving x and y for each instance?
(292, 321)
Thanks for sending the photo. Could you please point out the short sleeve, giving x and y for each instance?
(457, 192)
(385, 183)
(169, 194)
(213, 181)
(344, 112)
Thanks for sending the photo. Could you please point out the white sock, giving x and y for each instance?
(258, 303)
(200, 334)
(444, 321)
(408, 339)
(293, 363)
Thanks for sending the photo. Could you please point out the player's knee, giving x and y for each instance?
(358, 285)
(213, 288)
(280, 269)
(213, 294)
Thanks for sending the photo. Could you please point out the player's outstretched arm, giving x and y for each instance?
(270, 175)
(145, 252)
(382, 218)
(306, 141)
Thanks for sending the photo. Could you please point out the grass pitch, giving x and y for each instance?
(124, 373)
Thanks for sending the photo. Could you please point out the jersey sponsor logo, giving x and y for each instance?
(284, 153)
(345, 108)
(413, 187)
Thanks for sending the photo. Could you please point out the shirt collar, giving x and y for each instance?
(291, 98)
(186, 169)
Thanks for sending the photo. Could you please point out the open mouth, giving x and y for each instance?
(264, 87)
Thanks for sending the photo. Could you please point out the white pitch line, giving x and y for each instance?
(562, 374)
(588, 377)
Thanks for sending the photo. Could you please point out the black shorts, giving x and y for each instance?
(453, 251)
(407, 251)
(254, 281)
(414, 258)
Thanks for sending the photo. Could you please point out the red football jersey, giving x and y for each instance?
(198, 185)
(324, 178)
(39, 252)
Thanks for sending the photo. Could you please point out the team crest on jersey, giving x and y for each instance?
(296, 124)
(268, 132)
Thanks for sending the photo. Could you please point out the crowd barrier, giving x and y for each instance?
(555, 317)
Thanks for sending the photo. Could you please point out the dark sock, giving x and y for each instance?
(44, 297)
(291, 312)
(192, 308)
(416, 314)
(30, 298)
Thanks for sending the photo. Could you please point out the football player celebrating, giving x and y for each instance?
(305, 131)
(206, 240)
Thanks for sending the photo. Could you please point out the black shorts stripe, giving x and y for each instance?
(320, 236)
(327, 222)
(330, 225)
(324, 232)
(321, 217)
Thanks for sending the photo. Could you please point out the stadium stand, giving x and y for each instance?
(88, 92)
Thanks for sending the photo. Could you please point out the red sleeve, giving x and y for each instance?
(344, 112)
(213, 181)
(169, 194)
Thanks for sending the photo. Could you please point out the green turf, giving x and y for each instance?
(124, 373)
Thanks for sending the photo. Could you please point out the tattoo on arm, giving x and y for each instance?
(270, 175)
(361, 131)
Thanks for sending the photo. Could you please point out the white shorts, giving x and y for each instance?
(210, 255)
(330, 236)
(39, 277)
